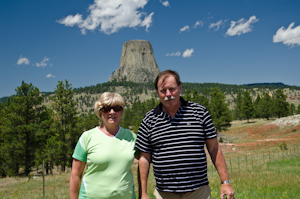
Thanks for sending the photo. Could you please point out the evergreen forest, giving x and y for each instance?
(37, 127)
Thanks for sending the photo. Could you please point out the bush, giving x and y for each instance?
(283, 146)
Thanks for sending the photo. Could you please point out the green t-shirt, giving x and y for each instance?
(109, 161)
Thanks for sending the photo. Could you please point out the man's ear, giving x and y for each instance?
(180, 89)
(156, 91)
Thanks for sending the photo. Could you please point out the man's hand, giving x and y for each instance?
(227, 190)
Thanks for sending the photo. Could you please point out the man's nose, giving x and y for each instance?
(168, 92)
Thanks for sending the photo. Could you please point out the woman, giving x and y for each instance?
(108, 150)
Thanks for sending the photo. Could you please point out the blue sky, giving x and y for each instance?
(218, 41)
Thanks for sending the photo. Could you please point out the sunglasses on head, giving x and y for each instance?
(107, 109)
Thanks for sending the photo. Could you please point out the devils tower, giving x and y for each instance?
(137, 63)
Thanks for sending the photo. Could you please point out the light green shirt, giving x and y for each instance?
(109, 161)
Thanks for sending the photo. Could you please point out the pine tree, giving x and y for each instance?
(2, 160)
(266, 105)
(280, 105)
(257, 107)
(187, 96)
(65, 112)
(238, 106)
(298, 109)
(23, 118)
(292, 109)
(219, 110)
(247, 105)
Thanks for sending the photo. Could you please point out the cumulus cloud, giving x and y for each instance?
(188, 53)
(198, 23)
(289, 36)
(185, 28)
(241, 26)
(217, 25)
(50, 75)
(174, 54)
(165, 3)
(111, 16)
(23, 60)
(43, 63)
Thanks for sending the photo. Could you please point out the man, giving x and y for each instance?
(172, 137)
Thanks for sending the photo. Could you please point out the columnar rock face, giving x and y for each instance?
(137, 63)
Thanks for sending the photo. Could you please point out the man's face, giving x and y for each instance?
(168, 91)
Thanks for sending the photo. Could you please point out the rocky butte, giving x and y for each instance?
(137, 63)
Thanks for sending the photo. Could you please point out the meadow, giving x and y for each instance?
(263, 161)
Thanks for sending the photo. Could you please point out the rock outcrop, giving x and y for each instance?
(137, 63)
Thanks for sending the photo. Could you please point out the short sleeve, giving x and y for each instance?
(142, 142)
(79, 152)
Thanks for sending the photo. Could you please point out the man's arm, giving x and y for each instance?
(218, 159)
(143, 172)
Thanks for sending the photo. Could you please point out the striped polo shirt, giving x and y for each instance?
(177, 146)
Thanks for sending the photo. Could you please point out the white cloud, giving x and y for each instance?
(241, 26)
(198, 23)
(289, 36)
(50, 75)
(217, 25)
(71, 20)
(174, 54)
(165, 3)
(43, 63)
(188, 53)
(23, 60)
(147, 21)
(111, 16)
(185, 28)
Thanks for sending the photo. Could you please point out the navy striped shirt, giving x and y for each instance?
(177, 146)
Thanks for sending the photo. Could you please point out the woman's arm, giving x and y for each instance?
(76, 175)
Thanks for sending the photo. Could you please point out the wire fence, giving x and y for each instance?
(247, 162)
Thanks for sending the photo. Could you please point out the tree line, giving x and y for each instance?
(31, 132)
(264, 106)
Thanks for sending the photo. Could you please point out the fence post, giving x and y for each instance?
(239, 163)
(43, 180)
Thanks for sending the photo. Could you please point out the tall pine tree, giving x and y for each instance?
(247, 105)
(238, 114)
(280, 105)
(23, 118)
(219, 110)
(266, 105)
(65, 121)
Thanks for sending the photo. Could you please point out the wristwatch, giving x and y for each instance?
(226, 181)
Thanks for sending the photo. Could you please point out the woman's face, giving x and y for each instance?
(111, 115)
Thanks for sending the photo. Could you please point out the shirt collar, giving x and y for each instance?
(158, 109)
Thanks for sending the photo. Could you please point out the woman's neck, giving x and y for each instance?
(110, 131)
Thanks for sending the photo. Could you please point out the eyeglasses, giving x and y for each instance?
(107, 109)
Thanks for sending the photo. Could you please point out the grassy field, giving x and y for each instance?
(258, 167)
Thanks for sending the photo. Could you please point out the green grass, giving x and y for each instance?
(279, 178)
(275, 179)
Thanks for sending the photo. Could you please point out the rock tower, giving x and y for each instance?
(137, 63)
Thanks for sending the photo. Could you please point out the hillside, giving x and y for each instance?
(132, 92)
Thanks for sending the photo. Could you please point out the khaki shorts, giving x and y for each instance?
(202, 193)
